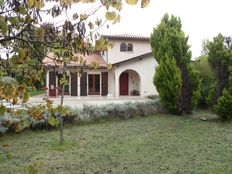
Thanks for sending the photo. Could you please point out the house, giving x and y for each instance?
(132, 70)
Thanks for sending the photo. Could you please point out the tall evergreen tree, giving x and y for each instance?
(220, 59)
(168, 41)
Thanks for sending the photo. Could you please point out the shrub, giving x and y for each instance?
(224, 106)
(14, 123)
(2, 110)
(8, 88)
(152, 97)
(3, 129)
(26, 97)
(122, 111)
(45, 116)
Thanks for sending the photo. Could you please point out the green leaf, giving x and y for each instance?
(40, 33)
(3, 27)
(13, 20)
(131, 2)
(52, 121)
(1, 2)
(26, 123)
(75, 16)
(110, 15)
(2, 109)
(22, 10)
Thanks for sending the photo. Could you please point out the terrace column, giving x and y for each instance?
(116, 87)
(47, 82)
(78, 85)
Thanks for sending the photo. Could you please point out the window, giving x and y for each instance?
(129, 47)
(123, 47)
(94, 84)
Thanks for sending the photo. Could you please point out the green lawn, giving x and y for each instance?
(155, 144)
(35, 92)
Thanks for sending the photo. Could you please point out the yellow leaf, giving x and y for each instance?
(110, 15)
(18, 127)
(145, 3)
(88, 1)
(132, 2)
(52, 121)
(83, 17)
(30, 3)
(117, 19)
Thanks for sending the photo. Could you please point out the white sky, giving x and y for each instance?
(201, 19)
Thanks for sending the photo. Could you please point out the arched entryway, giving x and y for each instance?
(129, 83)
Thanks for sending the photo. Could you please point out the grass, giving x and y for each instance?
(35, 92)
(155, 144)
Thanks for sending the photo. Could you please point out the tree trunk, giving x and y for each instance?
(223, 78)
(61, 117)
(186, 91)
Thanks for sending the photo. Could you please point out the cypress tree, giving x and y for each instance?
(168, 41)
(168, 83)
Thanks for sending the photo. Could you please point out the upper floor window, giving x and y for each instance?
(129, 47)
(123, 47)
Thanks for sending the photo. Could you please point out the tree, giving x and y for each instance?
(76, 34)
(202, 67)
(10, 90)
(220, 59)
(169, 41)
(168, 83)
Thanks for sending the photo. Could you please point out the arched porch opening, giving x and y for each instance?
(129, 83)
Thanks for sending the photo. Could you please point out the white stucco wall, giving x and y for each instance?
(134, 81)
(114, 55)
(144, 67)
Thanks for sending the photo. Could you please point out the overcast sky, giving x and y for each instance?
(201, 19)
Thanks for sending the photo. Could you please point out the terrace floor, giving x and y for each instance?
(77, 102)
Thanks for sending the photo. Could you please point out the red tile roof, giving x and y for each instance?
(91, 60)
(126, 36)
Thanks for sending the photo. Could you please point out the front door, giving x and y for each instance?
(123, 83)
(94, 84)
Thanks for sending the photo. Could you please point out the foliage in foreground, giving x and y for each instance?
(168, 42)
(10, 90)
(46, 116)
